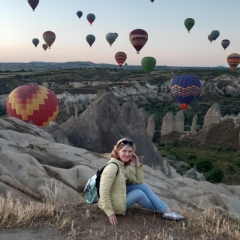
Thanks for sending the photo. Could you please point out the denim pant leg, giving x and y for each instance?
(148, 200)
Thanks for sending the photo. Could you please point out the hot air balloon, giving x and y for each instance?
(79, 14)
(185, 89)
(33, 103)
(91, 18)
(45, 46)
(35, 42)
(152, 1)
(120, 58)
(225, 43)
(90, 39)
(148, 64)
(138, 38)
(233, 60)
(189, 23)
(116, 35)
(215, 34)
(49, 37)
(210, 38)
(111, 37)
(33, 4)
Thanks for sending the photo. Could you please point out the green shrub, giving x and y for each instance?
(215, 175)
(204, 165)
(192, 156)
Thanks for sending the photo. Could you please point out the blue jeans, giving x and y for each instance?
(143, 195)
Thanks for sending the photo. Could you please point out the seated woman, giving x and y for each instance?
(121, 186)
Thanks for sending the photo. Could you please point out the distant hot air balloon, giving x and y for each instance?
(35, 42)
(111, 37)
(215, 34)
(233, 60)
(210, 38)
(148, 64)
(225, 43)
(45, 46)
(120, 58)
(189, 23)
(152, 1)
(33, 103)
(79, 14)
(49, 37)
(91, 18)
(33, 4)
(90, 39)
(185, 89)
(138, 38)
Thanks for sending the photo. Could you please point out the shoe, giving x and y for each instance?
(173, 216)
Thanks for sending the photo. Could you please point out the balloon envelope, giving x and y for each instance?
(49, 37)
(91, 17)
(210, 38)
(215, 34)
(233, 60)
(111, 37)
(33, 103)
(225, 43)
(79, 13)
(120, 57)
(189, 23)
(185, 89)
(148, 64)
(90, 39)
(35, 42)
(138, 38)
(33, 3)
(45, 46)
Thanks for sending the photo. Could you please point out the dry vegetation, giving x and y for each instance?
(85, 221)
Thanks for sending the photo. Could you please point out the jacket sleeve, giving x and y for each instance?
(107, 179)
(135, 176)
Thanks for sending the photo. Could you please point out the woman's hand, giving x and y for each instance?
(113, 220)
(135, 160)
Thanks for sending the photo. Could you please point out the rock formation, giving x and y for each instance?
(167, 124)
(194, 124)
(194, 174)
(213, 115)
(179, 122)
(151, 126)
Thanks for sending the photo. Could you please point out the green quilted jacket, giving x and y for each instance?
(113, 188)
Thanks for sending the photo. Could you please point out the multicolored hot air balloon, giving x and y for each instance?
(79, 14)
(91, 17)
(33, 103)
(49, 37)
(45, 46)
(189, 23)
(111, 37)
(35, 42)
(120, 58)
(185, 89)
(233, 60)
(225, 43)
(148, 64)
(90, 39)
(215, 34)
(33, 4)
(210, 38)
(138, 38)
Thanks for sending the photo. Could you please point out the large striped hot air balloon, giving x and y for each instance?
(33, 3)
(33, 103)
(233, 60)
(148, 64)
(138, 38)
(49, 37)
(120, 58)
(185, 89)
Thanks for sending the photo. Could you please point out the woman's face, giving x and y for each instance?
(125, 154)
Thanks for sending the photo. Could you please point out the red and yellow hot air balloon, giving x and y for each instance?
(138, 38)
(120, 58)
(233, 60)
(33, 103)
(49, 37)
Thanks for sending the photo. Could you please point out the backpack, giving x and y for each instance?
(91, 190)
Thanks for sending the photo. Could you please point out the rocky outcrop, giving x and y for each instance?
(194, 124)
(179, 122)
(167, 124)
(151, 126)
(213, 115)
(194, 174)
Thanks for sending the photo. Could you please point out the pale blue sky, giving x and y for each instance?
(168, 39)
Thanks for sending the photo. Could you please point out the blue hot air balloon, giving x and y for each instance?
(185, 89)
